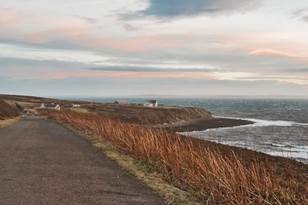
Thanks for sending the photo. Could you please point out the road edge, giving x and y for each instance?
(9, 122)
(172, 195)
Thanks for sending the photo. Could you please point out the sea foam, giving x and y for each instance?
(264, 123)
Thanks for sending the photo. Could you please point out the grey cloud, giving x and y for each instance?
(178, 8)
(301, 14)
(89, 19)
(56, 44)
(149, 69)
(129, 27)
(305, 18)
(226, 60)
(125, 87)
(235, 60)
(16, 63)
(295, 70)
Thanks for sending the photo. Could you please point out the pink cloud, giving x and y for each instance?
(66, 33)
(9, 17)
(80, 35)
(146, 42)
(291, 54)
(36, 29)
(272, 52)
(128, 74)
(288, 45)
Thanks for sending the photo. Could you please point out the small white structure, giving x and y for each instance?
(151, 103)
(50, 106)
(75, 106)
(58, 107)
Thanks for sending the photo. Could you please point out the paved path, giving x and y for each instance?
(44, 163)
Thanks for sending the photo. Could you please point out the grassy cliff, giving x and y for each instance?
(129, 113)
(138, 114)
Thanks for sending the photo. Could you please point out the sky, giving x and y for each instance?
(154, 47)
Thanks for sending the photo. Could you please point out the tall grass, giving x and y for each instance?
(211, 175)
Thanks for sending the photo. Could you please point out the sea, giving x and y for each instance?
(280, 125)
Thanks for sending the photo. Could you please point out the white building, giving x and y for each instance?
(151, 103)
(42, 106)
(58, 107)
(75, 105)
(50, 106)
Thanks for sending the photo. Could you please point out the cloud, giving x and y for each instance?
(144, 86)
(295, 70)
(272, 52)
(180, 8)
(162, 68)
(305, 18)
(77, 32)
(302, 14)
(129, 27)
(45, 54)
(10, 64)
(89, 19)
(8, 16)
(127, 74)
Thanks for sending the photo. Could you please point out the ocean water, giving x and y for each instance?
(280, 126)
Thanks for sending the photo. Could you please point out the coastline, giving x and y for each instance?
(283, 166)
(284, 173)
(176, 195)
(184, 128)
(203, 124)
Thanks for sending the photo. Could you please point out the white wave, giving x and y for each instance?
(277, 145)
(256, 123)
(299, 153)
(300, 156)
(264, 123)
(296, 148)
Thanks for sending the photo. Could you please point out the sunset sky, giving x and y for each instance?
(159, 47)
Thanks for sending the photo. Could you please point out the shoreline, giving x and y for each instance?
(184, 128)
(216, 123)
(281, 165)
(203, 124)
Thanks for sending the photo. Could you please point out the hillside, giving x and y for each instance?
(132, 113)
(138, 114)
(7, 111)
(169, 117)
(30, 101)
(175, 118)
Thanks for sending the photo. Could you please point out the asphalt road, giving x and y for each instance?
(42, 162)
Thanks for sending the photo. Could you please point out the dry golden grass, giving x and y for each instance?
(8, 122)
(172, 195)
(212, 176)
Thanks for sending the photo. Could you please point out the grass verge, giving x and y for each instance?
(142, 171)
(8, 122)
